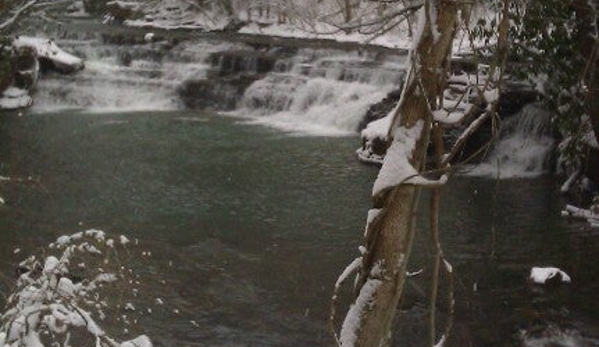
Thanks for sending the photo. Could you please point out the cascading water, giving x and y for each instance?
(320, 94)
(122, 78)
(318, 91)
(524, 148)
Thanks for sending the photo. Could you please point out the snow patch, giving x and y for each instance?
(351, 324)
(396, 167)
(540, 275)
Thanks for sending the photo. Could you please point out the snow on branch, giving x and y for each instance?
(353, 320)
(61, 296)
(18, 12)
(397, 168)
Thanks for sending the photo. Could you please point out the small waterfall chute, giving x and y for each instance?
(326, 96)
(524, 147)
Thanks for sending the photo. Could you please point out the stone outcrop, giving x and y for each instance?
(20, 63)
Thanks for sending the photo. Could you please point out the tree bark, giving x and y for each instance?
(389, 238)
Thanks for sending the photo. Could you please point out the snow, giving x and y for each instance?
(445, 117)
(124, 240)
(540, 275)
(396, 167)
(351, 268)
(141, 341)
(351, 324)
(448, 266)
(372, 214)
(378, 128)
(51, 265)
(441, 342)
(47, 302)
(149, 37)
(324, 31)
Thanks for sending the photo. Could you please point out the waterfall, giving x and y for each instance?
(524, 147)
(312, 90)
(320, 94)
(121, 77)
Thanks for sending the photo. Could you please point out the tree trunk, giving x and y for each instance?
(347, 11)
(389, 236)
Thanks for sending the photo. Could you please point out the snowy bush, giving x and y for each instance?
(61, 298)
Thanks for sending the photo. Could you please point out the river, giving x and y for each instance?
(249, 217)
(249, 227)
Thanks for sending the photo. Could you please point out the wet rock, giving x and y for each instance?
(381, 109)
(26, 68)
(95, 6)
(242, 62)
(515, 98)
(124, 10)
(216, 93)
(235, 25)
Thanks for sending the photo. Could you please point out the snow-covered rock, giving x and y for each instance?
(46, 50)
(542, 275)
(149, 37)
(15, 98)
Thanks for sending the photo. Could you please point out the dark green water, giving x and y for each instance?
(258, 224)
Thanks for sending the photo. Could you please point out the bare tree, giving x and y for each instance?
(427, 105)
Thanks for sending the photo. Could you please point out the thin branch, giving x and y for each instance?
(16, 15)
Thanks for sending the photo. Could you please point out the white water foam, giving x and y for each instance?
(328, 97)
(524, 148)
(114, 82)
